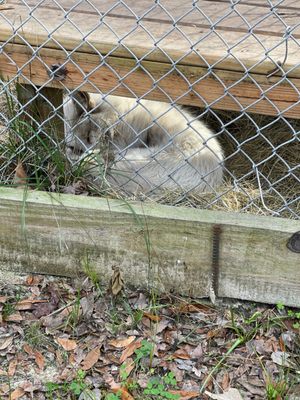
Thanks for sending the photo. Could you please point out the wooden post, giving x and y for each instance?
(42, 109)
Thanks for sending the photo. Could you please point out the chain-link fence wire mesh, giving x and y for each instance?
(135, 148)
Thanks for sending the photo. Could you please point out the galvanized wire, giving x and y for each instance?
(261, 166)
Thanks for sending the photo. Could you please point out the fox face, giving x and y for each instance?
(151, 146)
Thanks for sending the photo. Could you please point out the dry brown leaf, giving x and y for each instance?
(20, 178)
(4, 388)
(231, 394)
(5, 342)
(16, 394)
(130, 350)
(3, 299)
(152, 317)
(181, 353)
(32, 280)
(197, 352)
(67, 344)
(91, 359)
(123, 393)
(116, 388)
(127, 366)
(116, 283)
(28, 349)
(225, 381)
(191, 308)
(184, 394)
(27, 304)
(15, 317)
(39, 359)
(12, 367)
(121, 342)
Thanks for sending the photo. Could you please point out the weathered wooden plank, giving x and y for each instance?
(278, 4)
(204, 14)
(198, 46)
(182, 85)
(56, 236)
(258, 264)
(169, 248)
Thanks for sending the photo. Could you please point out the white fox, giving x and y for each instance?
(148, 146)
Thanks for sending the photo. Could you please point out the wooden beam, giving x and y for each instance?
(187, 85)
(231, 47)
(42, 108)
(165, 247)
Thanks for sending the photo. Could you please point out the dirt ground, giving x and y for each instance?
(76, 339)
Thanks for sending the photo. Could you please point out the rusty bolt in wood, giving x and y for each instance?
(58, 72)
(293, 243)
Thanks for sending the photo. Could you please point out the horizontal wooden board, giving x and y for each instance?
(228, 46)
(203, 14)
(164, 247)
(278, 4)
(219, 90)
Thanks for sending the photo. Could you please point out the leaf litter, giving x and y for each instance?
(73, 339)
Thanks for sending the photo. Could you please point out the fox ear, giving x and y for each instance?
(81, 101)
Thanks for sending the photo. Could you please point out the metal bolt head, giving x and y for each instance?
(294, 243)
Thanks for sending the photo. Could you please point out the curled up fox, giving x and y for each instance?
(145, 146)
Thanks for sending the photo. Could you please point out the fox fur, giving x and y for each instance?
(147, 146)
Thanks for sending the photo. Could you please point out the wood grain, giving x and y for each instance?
(164, 247)
(185, 85)
(204, 14)
(189, 45)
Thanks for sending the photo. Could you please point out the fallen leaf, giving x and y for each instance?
(27, 304)
(191, 308)
(89, 394)
(16, 394)
(130, 350)
(152, 317)
(42, 310)
(28, 387)
(39, 359)
(184, 394)
(161, 326)
(116, 283)
(15, 317)
(28, 349)
(12, 367)
(4, 388)
(5, 342)
(67, 344)
(32, 280)
(281, 358)
(225, 381)
(116, 388)
(87, 306)
(181, 353)
(231, 394)
(127, 367)
(197, 352)
(20, 178)
(3, 299)
(91, 359)
(121, 342)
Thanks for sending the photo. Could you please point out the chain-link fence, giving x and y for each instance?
(187, 102)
